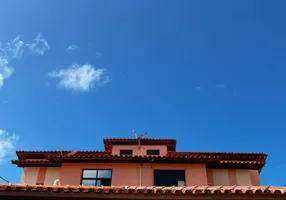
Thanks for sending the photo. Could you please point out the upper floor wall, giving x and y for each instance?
(139, 174)
(139, 150)
(233, 177)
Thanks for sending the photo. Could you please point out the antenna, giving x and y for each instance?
(139, 137)
(60, 151)
(135, 133)
(142, 135)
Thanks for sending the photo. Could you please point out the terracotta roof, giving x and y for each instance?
(212, 159)
(76, 154)
(174, 192)
(109, 142)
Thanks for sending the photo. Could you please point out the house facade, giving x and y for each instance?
(134, 168)
(142, 163)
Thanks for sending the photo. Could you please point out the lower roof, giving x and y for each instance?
(18, 191)
(212, 159)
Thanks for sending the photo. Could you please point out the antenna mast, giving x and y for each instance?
(139, 137)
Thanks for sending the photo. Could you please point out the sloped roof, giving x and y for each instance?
(212, 159)
(134, 192)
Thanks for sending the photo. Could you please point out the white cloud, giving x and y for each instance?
(5, 71)
(220, 86)
(15, 49)
(39, 46)
(18, 47)
(7, 145)
(81, 78)
(11, 50)
(71, 48)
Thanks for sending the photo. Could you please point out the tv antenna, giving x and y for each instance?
(140, 136)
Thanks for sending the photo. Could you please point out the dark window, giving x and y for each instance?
(96, 177)
(169, 177)
(153, 152)
(126, 152)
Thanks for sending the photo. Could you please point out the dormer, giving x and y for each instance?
(137, 147)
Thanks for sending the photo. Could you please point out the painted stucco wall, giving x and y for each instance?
(233, 177)
(129, 174)
(195, 174)
(220, 177)
(139, 150)
(243, 177)
(122, 174)
(52, 174)
(29, 175)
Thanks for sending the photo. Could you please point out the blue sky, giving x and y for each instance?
(209, 73)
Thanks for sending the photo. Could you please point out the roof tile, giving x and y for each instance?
(192, 190)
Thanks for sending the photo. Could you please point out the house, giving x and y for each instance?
(139, 169)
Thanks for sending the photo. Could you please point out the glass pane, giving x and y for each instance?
(169, 177)
(104, 174)
(98, 183)
(88, 182)
(181, 183)
(153, 152)
(106, 182)
(89, 173)
(126, 152)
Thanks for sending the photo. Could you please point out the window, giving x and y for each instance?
(126, 152)
(96, 177)
(153, 152)
(169, 177)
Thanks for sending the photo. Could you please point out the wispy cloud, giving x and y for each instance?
(80, 78)
(98, 54)
(5, 71)
(15, 49)
(71, 48)
(198, 87)
(19, 47)
(39, 46)
(220, 86)
(7, 145)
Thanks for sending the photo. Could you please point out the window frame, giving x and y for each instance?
(148, 154)
(131, 150)
(184, 170)
(82, 178)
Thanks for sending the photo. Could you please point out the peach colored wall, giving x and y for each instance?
(139, 150)
(220, 177)
(243, 177)
(30, 175)
(195, 174)
(41, 175)
(233, 177)
(255, 178)
(122, 174)
(52, 174)
(23, 177)
(210, 177)
(128, 174)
